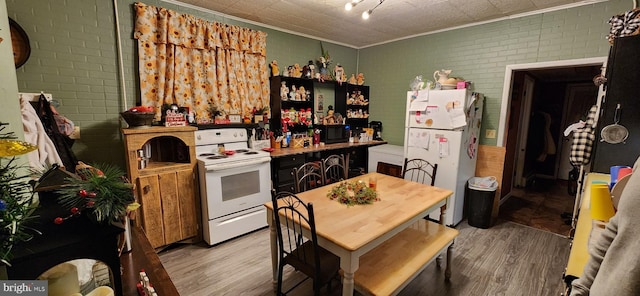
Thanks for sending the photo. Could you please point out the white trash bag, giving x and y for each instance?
(483, 183)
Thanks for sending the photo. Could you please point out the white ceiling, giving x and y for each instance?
(392, 20)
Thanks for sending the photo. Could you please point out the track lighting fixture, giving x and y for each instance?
(352, 4)
(366, 13)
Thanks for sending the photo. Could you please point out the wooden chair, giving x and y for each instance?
(420, 170)
(335, 168)
(308, 176)
(389, 169)
(300, 252)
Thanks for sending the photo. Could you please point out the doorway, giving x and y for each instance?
(542, 99)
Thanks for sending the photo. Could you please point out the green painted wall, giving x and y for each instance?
(74, 57)
(10, 111)
(481, 54)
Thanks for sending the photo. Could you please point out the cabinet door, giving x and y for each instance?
(623, 87)
(187, 202)
(170, 207)
(151, 209)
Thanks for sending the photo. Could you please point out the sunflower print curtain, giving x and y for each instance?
(199, 64)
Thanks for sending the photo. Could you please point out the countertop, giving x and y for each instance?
(143, 256)
(280, 152)
(579, 253)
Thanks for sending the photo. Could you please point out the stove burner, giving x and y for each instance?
(207, 154)
(242, 150)
(216, 156)
(251, 152)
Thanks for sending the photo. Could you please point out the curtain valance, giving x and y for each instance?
(206, 67)
(163, 26)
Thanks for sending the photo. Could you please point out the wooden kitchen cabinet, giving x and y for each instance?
(282, 171)
(161, 163)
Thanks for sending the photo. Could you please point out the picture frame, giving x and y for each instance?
(235, 118)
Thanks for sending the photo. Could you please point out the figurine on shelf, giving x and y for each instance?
(312, 69)
(302, 116)
(322, 63)
(352, 79)
(275, 71)
(284, 91)
(293, 92)
(338, 71)
(301, 94)
(330, 118)
(360, 79)
(286, 71)
(297, 71)
(306, 72)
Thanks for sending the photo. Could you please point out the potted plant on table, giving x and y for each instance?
(264, 112)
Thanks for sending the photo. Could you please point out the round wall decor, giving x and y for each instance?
(20, 42)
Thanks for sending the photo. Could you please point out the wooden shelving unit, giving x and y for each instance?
(167, 185)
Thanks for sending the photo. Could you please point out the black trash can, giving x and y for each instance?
(480, 195)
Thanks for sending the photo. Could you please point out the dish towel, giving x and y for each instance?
(34, 133)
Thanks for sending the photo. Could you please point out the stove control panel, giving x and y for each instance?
(220, 136)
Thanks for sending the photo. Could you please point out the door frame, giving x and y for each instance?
(506, 98)
(520, 180)
(508, 83)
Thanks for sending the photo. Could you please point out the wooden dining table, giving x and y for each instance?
(351, 231)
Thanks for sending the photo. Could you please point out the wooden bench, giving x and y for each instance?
(388, 268)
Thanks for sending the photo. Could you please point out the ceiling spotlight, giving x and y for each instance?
(366, 14)
(351, 4)
(348, 6)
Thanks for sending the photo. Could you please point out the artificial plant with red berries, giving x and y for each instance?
(100, 189)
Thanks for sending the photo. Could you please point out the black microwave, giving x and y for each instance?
(334, 133)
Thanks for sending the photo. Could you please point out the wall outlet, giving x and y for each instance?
(76, 133)
(490, 134)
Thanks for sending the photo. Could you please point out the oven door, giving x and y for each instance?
(237, 186)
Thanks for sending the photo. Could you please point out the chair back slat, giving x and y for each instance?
(308, 176)
(295, 249)
(420, 170)
(389, 169)
(301, 252)
(335, 168)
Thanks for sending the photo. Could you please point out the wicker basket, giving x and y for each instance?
(138, 119)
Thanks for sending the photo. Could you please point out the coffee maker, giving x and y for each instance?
(377, 130)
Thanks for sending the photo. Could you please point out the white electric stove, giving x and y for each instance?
(235, 182)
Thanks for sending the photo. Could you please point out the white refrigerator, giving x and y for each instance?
(443, 127)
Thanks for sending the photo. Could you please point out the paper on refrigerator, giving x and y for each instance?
(420, 102)
(419, 138)
(458, 118)
(443, 147)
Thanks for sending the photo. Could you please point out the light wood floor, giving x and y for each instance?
(506, 259)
